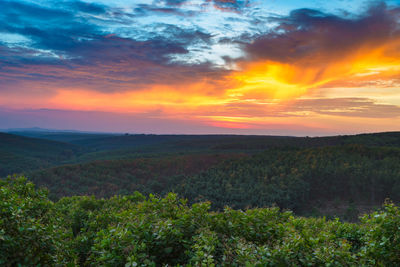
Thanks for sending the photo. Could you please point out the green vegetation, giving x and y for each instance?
(339, 181)
(298, 179)
(136, 230)
(238, 189)
(19, 154)
(107, 178)
(333, 176)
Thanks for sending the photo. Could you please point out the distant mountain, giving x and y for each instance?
(44, 130)
(57, 135)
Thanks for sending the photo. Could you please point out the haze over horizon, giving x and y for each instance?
(201, 66)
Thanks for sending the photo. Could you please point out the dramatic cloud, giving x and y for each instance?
(314, 37)
(234, 64)
(70, 50)
(350, 107)
(309, 49)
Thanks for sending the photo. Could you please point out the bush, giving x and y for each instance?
(382, 240)
(28, 236)
(151, 231)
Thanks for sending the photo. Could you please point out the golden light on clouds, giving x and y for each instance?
(249, 67)
(250, 97)
(160, 96)
(287, 81)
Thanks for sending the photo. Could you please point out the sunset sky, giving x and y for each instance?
(312, 67)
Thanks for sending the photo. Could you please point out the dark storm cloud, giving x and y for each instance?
(309, 33)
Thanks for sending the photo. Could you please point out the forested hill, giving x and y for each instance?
(86, 147)
(20, 154)
(230, 142)
(133, 219)
(69, 137)
(110, 177)
(339, 175)
(305, 180)
(106, 142)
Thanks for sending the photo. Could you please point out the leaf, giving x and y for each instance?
(168, 250)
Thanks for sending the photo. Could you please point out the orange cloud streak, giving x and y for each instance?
(287, 81)
(266, 83)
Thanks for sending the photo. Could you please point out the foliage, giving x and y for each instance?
(291, 178)
(135, 230)
(242, 172)
(299, 179)
(20, 154)
(382, 241)
(107, 178)
(28, 235)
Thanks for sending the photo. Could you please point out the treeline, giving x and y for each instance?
(303, 180)
(136, 230)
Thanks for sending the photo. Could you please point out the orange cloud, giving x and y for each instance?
(243, 99)
(275, 84)
(267, 79)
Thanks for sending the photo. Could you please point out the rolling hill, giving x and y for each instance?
(20, 154)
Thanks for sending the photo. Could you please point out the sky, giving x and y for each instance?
(273, 67)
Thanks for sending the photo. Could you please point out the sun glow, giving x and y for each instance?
(288, 81)
(163, 97)
(251, 97)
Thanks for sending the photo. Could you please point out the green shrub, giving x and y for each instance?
(382, 240)
(28, 236)
(152, 231)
